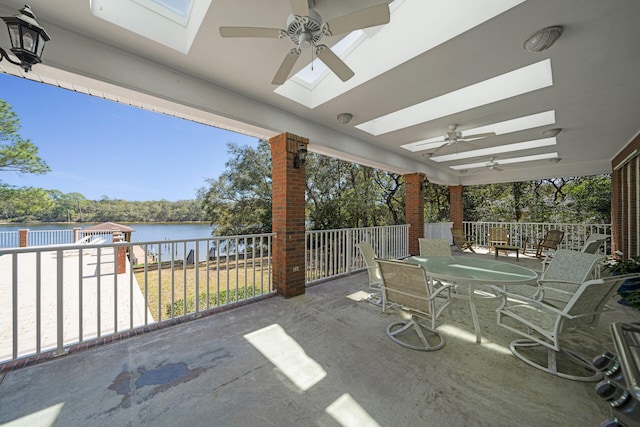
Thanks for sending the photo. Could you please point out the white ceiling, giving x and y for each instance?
(227, 82)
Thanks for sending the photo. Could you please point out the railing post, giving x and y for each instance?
(24, 237)
(349, 250)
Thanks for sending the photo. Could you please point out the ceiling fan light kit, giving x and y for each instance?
(344, 118)
(305, 28)
(542, 39)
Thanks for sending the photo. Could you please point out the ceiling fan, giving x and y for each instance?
(493, 165)
(305, 28)
(454, 136)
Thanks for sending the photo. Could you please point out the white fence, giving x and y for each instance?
(530, 233)
(333, 252)
(59, 296)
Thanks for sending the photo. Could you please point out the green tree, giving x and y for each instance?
(239, 200)
(17, 154)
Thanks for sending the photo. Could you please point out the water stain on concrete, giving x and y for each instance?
(141, 384)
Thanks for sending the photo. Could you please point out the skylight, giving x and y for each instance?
(381, 43)
(313, 72)
(173, 23)
(527, 145)
(508, 85)
(513, 160)
(508, 126)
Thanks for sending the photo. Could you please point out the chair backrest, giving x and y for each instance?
(434, 247)
(571, 266)
(592, 296)
(498, 234)
(594, 242)
(406, 285)
(369, 257)
(552, 239)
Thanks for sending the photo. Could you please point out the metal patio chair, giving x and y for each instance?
(543, 325)
(373, 271)
(594, 242)
(407, 286)
(434, 247)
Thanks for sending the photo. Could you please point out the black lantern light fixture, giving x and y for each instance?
(300, 157)
(27, 38)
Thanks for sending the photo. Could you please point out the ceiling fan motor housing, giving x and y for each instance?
(305, 31)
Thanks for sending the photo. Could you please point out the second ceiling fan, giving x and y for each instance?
(454, 136)
(305, 28)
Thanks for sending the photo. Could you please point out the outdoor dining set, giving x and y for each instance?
(568, 293)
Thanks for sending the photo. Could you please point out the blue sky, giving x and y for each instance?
(101, 148)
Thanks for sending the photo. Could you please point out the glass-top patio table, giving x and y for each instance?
(474, 271)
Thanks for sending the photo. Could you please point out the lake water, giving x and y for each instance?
(143, 232)
(147, 232)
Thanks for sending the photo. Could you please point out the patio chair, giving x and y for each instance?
(373, 271)
(434, 247)
(498, 236)
(549, 242)
(546, 326)
(594, 242)
(564, 275)
(461, 240)
(407, 286)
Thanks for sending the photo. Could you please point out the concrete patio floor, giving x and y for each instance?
(321, 359)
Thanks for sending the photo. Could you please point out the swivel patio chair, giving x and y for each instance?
(461, 240)
(564, 274)
(546, 326)
(373, 271)
(407, 286)
(594, 242)
(434, 247)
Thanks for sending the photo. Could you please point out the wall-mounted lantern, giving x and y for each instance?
(27, 38)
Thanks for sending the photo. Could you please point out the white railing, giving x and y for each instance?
(49, 237)
(331, 253)
(59, 296)
(9, 239)
(529, 233)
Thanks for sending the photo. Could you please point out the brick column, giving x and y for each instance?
(121, 253)
(624, 200)
(288, 215)
(414, 209)
(456, 205)
(23, 237)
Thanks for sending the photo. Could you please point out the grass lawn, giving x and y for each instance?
(220, 285)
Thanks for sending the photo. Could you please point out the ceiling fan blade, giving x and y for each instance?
(444, 144)
(479, 135)
(285, 68)
(271, 33)
(364, 18)
(300, 7)
(334, 63)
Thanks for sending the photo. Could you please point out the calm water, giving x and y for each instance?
(142, 233)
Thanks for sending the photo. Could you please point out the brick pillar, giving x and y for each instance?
(24, 237)
(456, 205)
(414, 209)
(288, 215)
(121, 253)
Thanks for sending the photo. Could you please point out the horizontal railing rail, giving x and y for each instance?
(529, 233)
(55, 297)
(331, 253)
